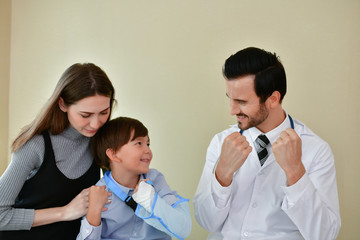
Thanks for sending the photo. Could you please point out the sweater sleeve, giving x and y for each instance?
(23, 162)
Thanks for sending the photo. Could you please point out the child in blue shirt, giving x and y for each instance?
(139, 203)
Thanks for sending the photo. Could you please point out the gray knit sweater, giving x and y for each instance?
(73, 158)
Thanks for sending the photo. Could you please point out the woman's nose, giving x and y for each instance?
(95, 123)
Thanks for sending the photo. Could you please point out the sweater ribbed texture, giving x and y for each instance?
(73, 158)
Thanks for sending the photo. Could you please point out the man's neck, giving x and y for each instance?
(275, 118)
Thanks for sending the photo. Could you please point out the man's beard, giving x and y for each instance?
(253, 121)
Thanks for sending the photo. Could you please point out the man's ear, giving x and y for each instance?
(111, 153)
(274, 99)
(62, 105)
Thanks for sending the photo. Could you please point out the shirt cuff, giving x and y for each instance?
(294, 192)
(87, 229)
(220, 194)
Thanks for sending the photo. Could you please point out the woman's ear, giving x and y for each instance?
(62, 105)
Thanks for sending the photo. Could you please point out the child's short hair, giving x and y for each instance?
(114, 134)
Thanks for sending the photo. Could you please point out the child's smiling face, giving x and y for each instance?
(136, 155)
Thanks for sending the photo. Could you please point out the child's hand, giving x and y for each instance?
(144, 194)
(98, 197)
(137, 186)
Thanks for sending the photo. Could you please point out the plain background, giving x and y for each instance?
(165, 57)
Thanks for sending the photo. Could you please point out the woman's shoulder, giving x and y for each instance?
(30, 155)
(36, 144)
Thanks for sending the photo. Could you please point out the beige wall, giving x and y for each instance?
(5, 19)
(165, 59)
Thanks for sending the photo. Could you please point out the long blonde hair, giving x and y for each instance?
(77, 82)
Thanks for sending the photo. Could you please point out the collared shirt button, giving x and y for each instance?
(246, 234)
(254, 205)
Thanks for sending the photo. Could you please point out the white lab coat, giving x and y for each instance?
(259, 205)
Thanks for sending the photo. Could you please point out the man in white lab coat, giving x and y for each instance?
(269, 176)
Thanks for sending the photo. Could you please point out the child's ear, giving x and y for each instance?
(111, 153)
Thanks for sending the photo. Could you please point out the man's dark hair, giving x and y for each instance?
(266, 66)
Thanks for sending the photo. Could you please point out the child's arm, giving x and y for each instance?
(173, 219)
(98, 197)
(91, 223)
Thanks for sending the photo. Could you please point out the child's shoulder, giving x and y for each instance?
(161, 186)
(101, 182)
(154, 174)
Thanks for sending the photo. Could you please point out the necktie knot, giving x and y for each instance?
(263, 141)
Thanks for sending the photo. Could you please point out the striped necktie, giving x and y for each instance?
(263, 141)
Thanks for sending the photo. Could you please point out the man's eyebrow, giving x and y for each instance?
(238, 100)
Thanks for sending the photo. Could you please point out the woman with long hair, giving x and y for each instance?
(43, 192)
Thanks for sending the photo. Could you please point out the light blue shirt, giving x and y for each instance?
(120, 221)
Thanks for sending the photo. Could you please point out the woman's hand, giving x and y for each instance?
(77, 207)
(74, 210)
